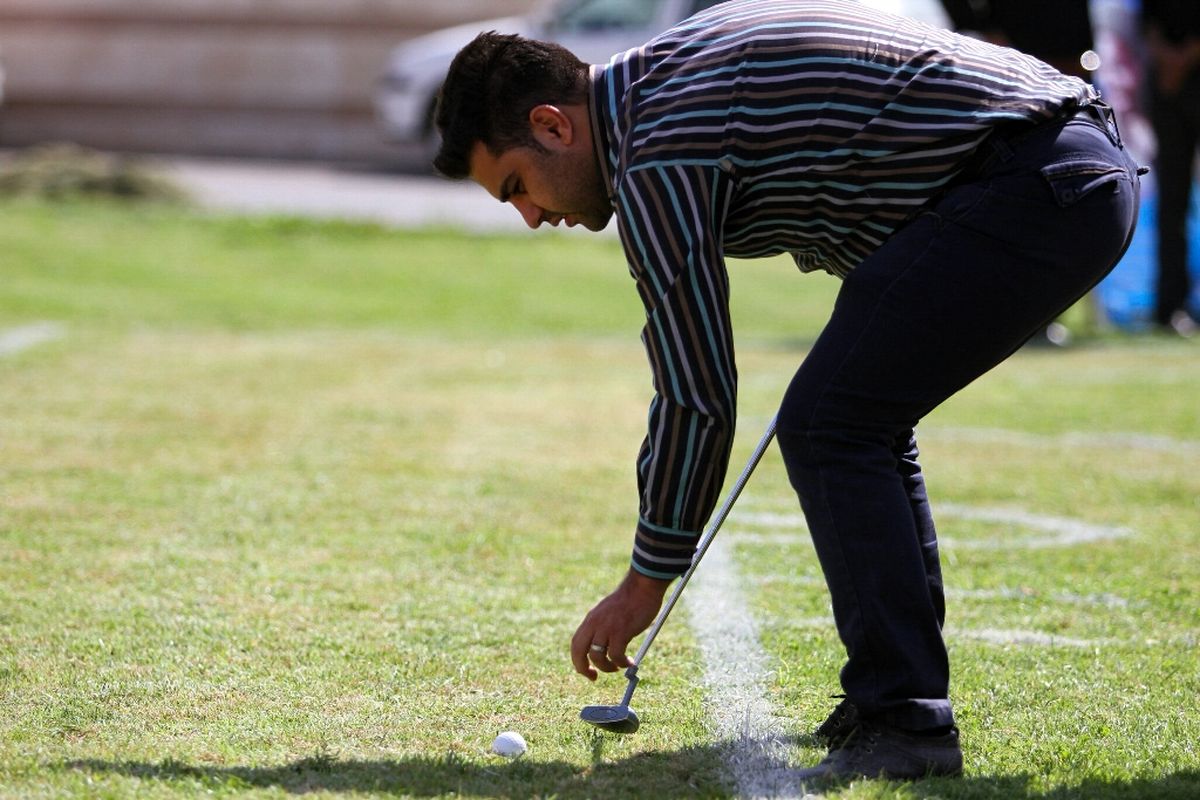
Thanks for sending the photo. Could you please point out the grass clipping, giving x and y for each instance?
(69, 171)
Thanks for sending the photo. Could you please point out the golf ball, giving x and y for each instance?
(1090, 60)
(509, 744)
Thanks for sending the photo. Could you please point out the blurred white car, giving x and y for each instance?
(592, 29)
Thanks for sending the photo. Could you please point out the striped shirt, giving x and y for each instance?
(759, 127)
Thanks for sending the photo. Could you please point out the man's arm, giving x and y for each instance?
(671, 218)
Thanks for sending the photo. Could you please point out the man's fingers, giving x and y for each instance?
(580, 643)
(599, 657)
(616, 652)
(582, 666)
(605, 658)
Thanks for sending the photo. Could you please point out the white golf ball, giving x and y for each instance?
(509, 744)
(1090, 60)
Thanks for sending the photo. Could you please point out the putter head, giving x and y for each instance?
(614, 719)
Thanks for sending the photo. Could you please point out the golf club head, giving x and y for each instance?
(614, 719)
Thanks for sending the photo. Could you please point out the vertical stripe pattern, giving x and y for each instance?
(758, 127)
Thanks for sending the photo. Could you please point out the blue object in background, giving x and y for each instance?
(1127, 294)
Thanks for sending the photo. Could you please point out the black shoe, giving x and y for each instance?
(840, 723)
(879, 751)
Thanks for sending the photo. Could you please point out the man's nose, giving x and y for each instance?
(529, 212)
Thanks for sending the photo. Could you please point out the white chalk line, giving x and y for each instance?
(1002, 593)
(14, 340)
(997, 636)
(736, 675)
(1019, 637)
(1063, 531)
(1066, 532)
(1110, 440)
(1101, 600)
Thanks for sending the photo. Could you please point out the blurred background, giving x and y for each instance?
(351, 82)
(247, 78)
(296, 79)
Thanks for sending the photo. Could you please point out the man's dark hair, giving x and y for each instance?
(491, 86)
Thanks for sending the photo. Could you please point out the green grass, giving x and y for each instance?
(314, 508)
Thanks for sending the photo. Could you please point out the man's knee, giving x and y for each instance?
(834, 436)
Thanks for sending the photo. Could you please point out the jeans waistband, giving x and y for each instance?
(998, 144)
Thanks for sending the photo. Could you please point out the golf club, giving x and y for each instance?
(621, 718)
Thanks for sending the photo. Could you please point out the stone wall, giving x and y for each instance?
(264, 78)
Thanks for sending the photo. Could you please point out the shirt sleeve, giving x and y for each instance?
(670, 218)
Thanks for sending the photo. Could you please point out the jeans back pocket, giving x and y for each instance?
(1071, 181)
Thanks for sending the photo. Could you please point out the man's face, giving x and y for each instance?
(561, 183)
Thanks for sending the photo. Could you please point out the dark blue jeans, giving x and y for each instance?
(1042, 219)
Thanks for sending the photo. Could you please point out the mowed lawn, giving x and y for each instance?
(313, 508)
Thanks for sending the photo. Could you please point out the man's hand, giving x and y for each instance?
(615, 620)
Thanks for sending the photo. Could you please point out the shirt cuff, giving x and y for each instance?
(663, 553)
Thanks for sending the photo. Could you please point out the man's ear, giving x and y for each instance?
(552, 128)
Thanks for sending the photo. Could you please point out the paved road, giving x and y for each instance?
(338, 192)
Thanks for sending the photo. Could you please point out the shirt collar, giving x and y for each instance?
(597, 87)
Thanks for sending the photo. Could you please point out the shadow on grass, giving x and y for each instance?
(690, 772)
(668, 775)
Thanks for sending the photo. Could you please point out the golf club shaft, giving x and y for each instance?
(713, 526)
